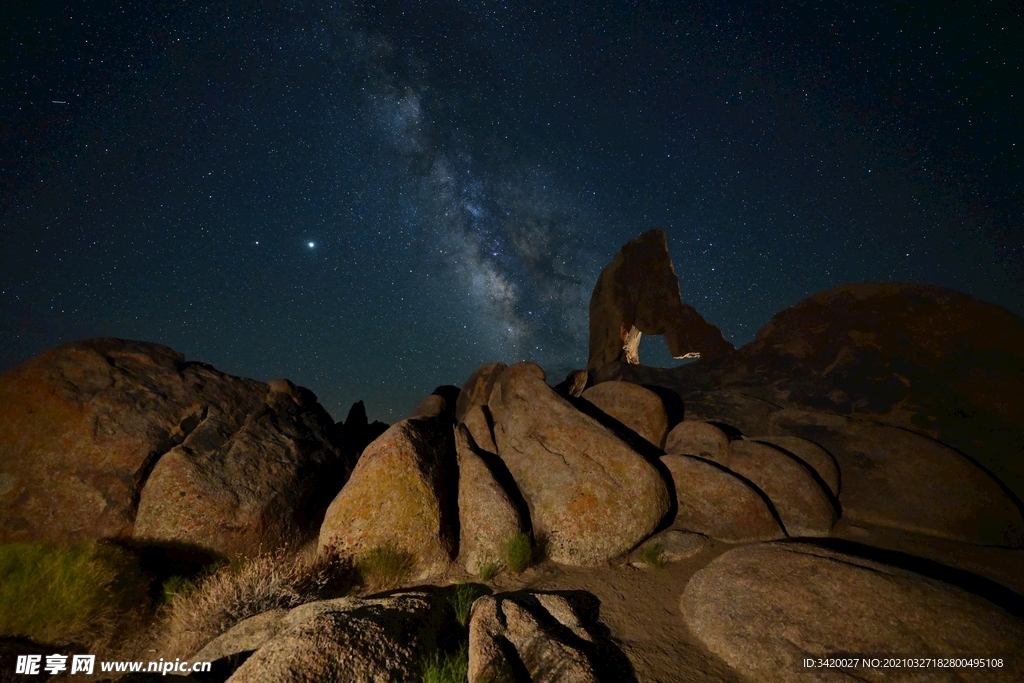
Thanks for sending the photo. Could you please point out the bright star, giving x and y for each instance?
(310, 244)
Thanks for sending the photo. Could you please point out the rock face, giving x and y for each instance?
(638, 408)
(401, 494)
(789, 601)
(896, 478)
(589, 495)
(112, 438)
(803, 506)
(487, 515)
(349, 639)
(713, 501)
(638, 293)
(539, 637)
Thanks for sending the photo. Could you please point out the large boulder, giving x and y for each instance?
(637, 408)
(713, 501)
(695, 437)
(764, 608)
(590, 495)
(350, 639)
(241, 640)
(85, 429)
(441, 403)
(401, 495)
(804, 506)
(893, 477)
(670, 545)
(809, 453)
(487, 515)
(237, 489)
(638, 293)
(477, 389)
(540, 637)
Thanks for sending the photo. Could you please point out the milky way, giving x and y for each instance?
(371, 199)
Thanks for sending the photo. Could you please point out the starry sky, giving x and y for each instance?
(373, 198)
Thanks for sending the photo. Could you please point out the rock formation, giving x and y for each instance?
(401, 495)
(441, 402)
(357, 431)
(639, 409)
(247, 482)
(715, 502)
(803, 506)
(346, 639)
(487, 515)
(696, 437)
(918, 357)
(895, 478)
(670, 545)
(477, 389)
(790, 601)
(108, 438)
(638, 293)
(539, 637)
(590, 495)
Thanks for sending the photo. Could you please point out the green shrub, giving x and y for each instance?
(175, 585)
(447, 668)
(385, 567)
(651, 556)
(517, 553)
(462, 598)
(489, 571)
(85, 593)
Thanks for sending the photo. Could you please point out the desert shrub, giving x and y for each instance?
(452, 667)
(244, 589)
(517, 553)
(462, 598)
(175, 585)
(651, 555)
(488, 571)
(385, 567)
(86, 593)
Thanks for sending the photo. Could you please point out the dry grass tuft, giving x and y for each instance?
(384, 568)
(192, 618)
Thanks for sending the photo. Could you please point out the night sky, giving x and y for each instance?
(372, 199)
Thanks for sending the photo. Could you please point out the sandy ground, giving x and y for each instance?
(641, 609)
(640, 606)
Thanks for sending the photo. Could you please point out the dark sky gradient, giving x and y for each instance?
(371, 199)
